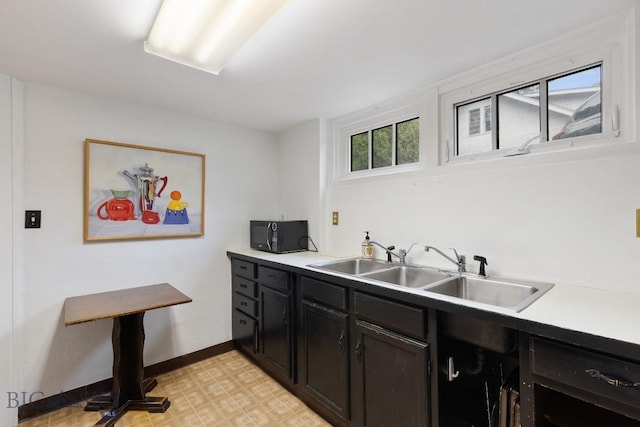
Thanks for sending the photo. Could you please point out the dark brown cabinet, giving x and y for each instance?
(244, 298)
(363, 355)
(245, 331)
(391, 367)
(391, 378)
(323, 367)
(576, 387)
(275, 320)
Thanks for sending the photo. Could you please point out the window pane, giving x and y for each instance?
(360, 152)
(474, 121)
(407, 141)
(381, 147)
(470, 139)
(575, 105)
(519, 117)
(487, 118)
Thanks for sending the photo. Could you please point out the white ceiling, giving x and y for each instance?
(317, 58)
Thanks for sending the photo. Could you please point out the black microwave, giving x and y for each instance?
(279, 236)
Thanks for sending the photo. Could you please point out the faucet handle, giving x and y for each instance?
(461, 261)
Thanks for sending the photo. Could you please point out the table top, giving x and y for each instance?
(105, 305)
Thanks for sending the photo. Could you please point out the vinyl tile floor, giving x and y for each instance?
(223, 391)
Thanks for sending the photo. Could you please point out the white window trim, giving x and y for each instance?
(399, 110)
(610, 41)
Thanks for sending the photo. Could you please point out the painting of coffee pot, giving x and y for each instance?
(139, 192)
(148, 186)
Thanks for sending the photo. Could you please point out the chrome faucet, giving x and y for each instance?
(401, 255)
(459, 261)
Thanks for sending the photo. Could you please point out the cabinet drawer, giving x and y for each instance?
(326, 293)
(245, 331)
(244, 268)
(587, 371)
(276, 279)
(245, 304)
(245, 286)
(392, 315)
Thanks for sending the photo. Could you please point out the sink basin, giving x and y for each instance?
(412, 277)
(352, 266)
(514, 295)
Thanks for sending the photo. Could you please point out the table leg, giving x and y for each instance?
(129, 387)
(128, 368)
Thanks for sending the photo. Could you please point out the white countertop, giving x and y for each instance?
(608, 314)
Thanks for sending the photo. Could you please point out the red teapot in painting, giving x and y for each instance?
(120, 208)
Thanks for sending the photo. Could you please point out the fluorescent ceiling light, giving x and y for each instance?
(205, 34)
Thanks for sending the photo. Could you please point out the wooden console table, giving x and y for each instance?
(127, 308)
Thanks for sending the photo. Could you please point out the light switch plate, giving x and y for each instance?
(335, 218)
(32, 219)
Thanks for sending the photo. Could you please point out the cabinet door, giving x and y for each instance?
(325, 366)
(392, 378)
(275, 330)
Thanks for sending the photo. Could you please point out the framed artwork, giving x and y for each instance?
(138, 192)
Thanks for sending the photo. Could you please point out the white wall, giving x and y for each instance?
(299, 175)
(565, 217)
(7, 414)
(567, 222)
(55, 263)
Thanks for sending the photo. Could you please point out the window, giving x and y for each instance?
(570, 93)
(407, 142)
(382, 140)
(470, 138)
(382, 147)
(360, 151)
(579, 94)
(518, 116)
(555, 107)
(387, 146)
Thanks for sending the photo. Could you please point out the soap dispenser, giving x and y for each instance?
(367, 247)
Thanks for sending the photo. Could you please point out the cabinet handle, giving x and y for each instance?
(243, 322)
(341, 341)
(616, 382)
(242, 285)
(359, 350)
(243, 304)
(285, 321)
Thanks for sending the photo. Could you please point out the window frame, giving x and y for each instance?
(543, 117)
(380, 116)
(608, 43)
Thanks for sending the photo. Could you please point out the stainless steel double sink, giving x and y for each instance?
(507, 294)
